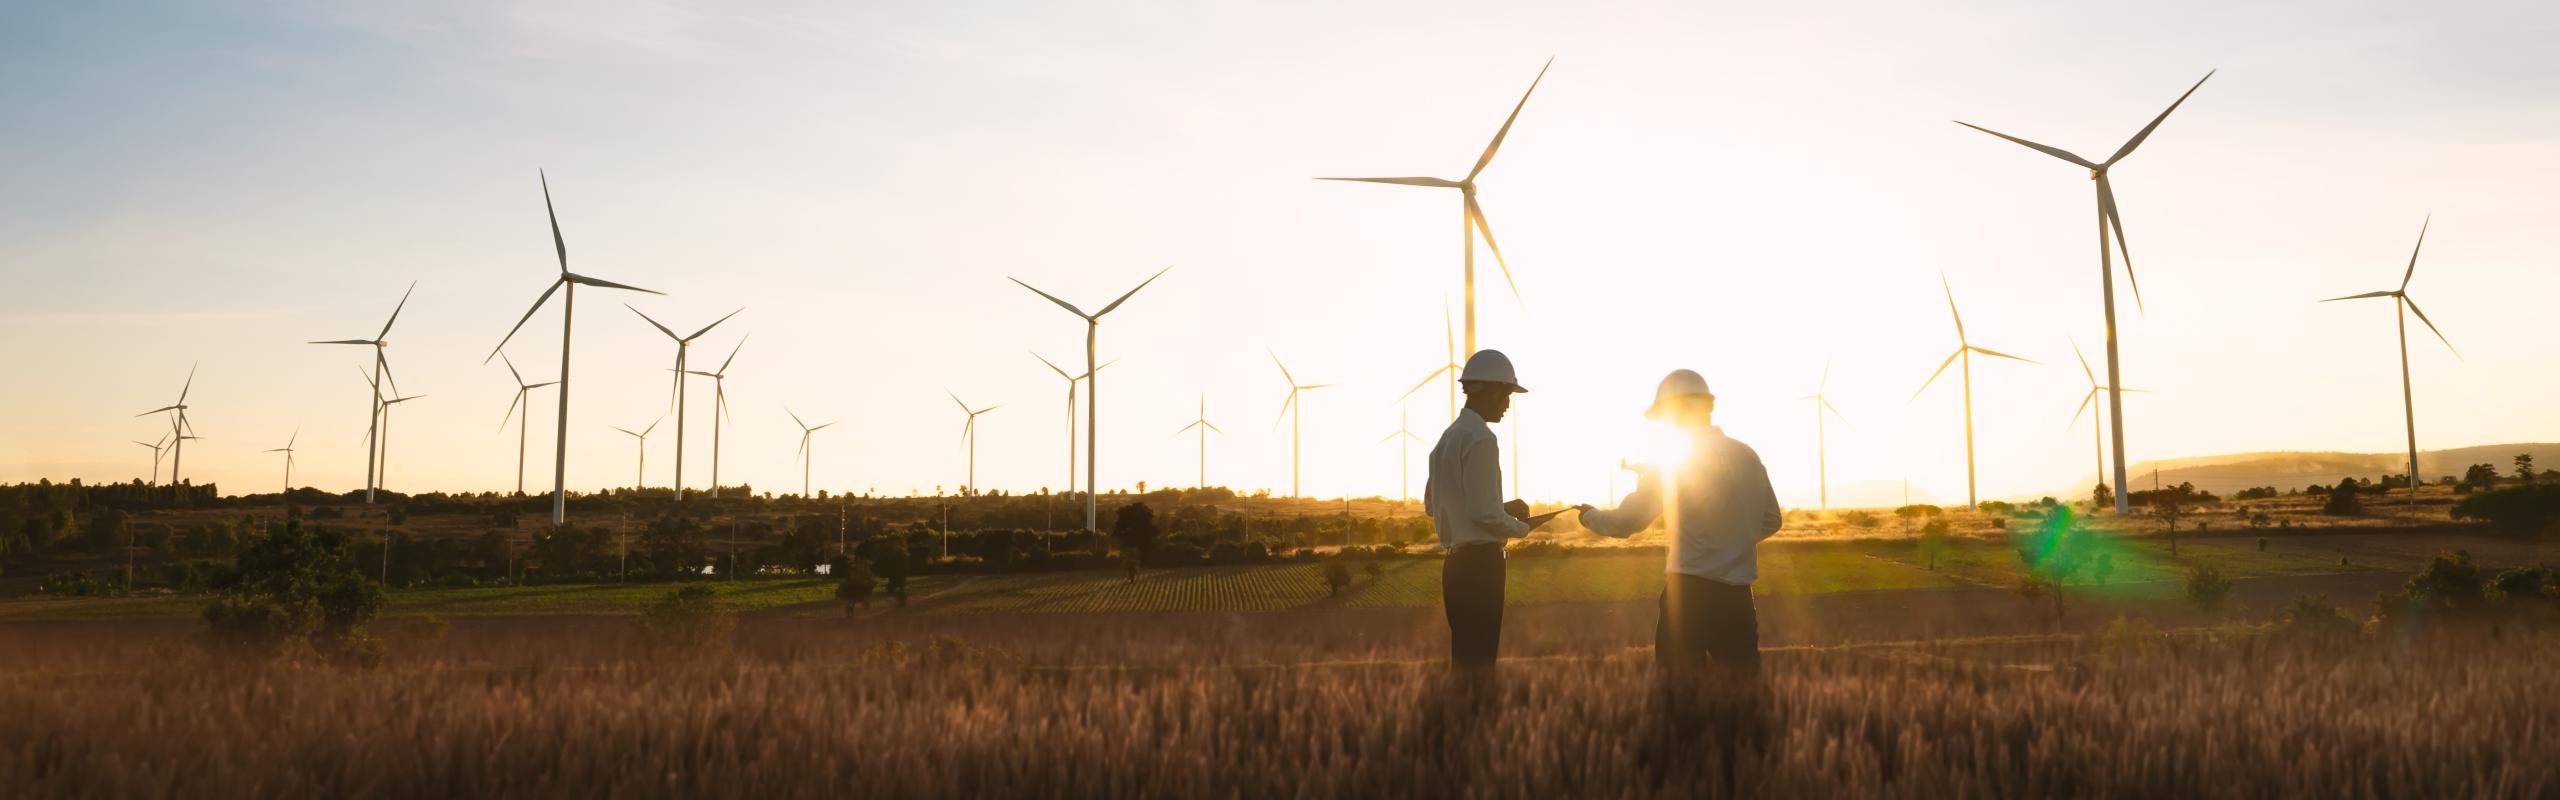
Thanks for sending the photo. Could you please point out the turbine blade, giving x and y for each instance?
(395, 312)
(2084, 364)
(1476, 213)
(822, 426)
(1070, 307)
(539, 385)
(1426, 381)
(2413, 253)
(2136, 141)
(1498, 135)
(1997, 354)
(620, 428)
(2360, 296)
(557, 244)
(2085, 401)
(606, 284)
(1054, 368)
(1284, 370)
(344, 341)
(653, 323)
(1933, 377)
(1284, 408)
(190, 385)
(1388, 438)
(1125, 297)
(155, 411)
(2107, 206)
(511, 410)
(1213, 428)
(1105, 365)
(714, 324)
(653, 425)
(528, 315)
(2431, 326)
(1318, 386)
(1835, 410)
(1951, 306)
(1185, 429)
(795, 418)
(733, 356)
(720, 400)
(955, 400)
(2055, 152)
(1436, 183)
(511, 369)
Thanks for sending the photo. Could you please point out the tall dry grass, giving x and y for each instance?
(1127, 708)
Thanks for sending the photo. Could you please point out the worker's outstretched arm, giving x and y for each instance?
(1635, 513)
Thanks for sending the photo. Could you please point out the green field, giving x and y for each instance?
(543, 600)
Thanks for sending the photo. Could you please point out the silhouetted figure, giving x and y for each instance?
(1718, 507)
(1464, 498)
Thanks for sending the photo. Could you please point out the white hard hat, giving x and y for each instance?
(1679, 383)
(1491, 366)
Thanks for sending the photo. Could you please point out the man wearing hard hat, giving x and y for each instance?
(1464, 498)
(1717, 504)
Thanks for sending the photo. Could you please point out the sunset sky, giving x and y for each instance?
(1750, 192)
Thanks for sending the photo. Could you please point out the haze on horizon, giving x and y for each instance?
(1746, 192)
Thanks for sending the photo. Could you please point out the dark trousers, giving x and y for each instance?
(1471, 593)
(1705, 622)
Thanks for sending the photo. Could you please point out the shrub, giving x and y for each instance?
(686, 624)
(295, 586)
(2312, 617)
(2343, 500)
(2525, 584)
(1934, 545)
(854, 586)
(2206, 589)
(1336, 576)
(1859, 519)
(2525, 509)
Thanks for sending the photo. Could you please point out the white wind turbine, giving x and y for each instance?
(384, 474)
(1072, 380)
(969, 435)
(381, 369)
(1202, 423)
(808, 454)
(2406, 306)
(1471, 217)
(2108, 218)
(287, 450)
(2096, 390)
(1092, 388)
(719, 409)
(1288, 406)
(523, 422)
(1821, 438)
(1450, 369)
(156, 449)
(1964, 352)
(1404, 439)
(179, 427)
(640, 476)
(684, 344)
(568, 315)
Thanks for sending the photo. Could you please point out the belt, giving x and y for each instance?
(1497, 547)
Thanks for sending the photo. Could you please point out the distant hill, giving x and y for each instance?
(2224, 474)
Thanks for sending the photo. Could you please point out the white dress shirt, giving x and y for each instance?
(1721, 510)
(1464, 493)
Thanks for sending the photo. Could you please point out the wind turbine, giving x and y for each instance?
(1092, 387)
(1471, 217)
(969, 434)
(641, 477)
(385, 473)
(720, 410)
(568, 315)
(684, 344)
(522, 423)
(1286, 407)
(1964, 352)
(2108, 218)
(1202, 422)
(1072, 380)
(2406, 306)
(1451, 368)
(179, 427)
(287, 450)
(1821, 440)
(807, 454)
(1404, 439)
(2095, 389)
(373, 411)
(163, 444)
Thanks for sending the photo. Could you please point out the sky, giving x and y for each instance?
(1751, 191)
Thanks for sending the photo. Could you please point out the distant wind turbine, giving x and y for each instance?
(640, 477)
(1450, 368)
(1092, 388)
(1286, 408)
(1964, 352)
(1404, 439)
(568, 315)
(969, 435)
(1471, 219)
(1821, 440)
(2096, 390)
(524, 422)
(2406, 306)
(287, 450)
(156, 449)
(808, 454)
(1202, 423)
(720, 409)
(178, 425)
(384, 474)
(684, 344)
(2108, 218)
(374, 411)
(1072, 380)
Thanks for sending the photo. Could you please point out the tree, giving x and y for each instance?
(2523, 510)
(2206, 589)
(2170, 505)
(295, 585)
(673, 546)
(1134, 527)
(889, 561)
(2478, 477)
(855, 587)
(1336, 575)
(1934, 545)
(2102, 497)
(2524, 467)
(2343, 500)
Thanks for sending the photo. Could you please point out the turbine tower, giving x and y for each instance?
(1287, 407)
(1821, 440)
(1404, 439)
(1202, 422)
(374, 411)
(1450, 368)
(156, 449)
(808, 454)
(524, 422)
(684, 344)
(179, 427)
(287, 450)
(1964, 352)
(969, 435)
(1092, 387)
(2096, 390)
(640, 477)
(1072, 380)
(568, 315)
(1471, 216)
(2406, 306)
(719, 409)
(2108, 218)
